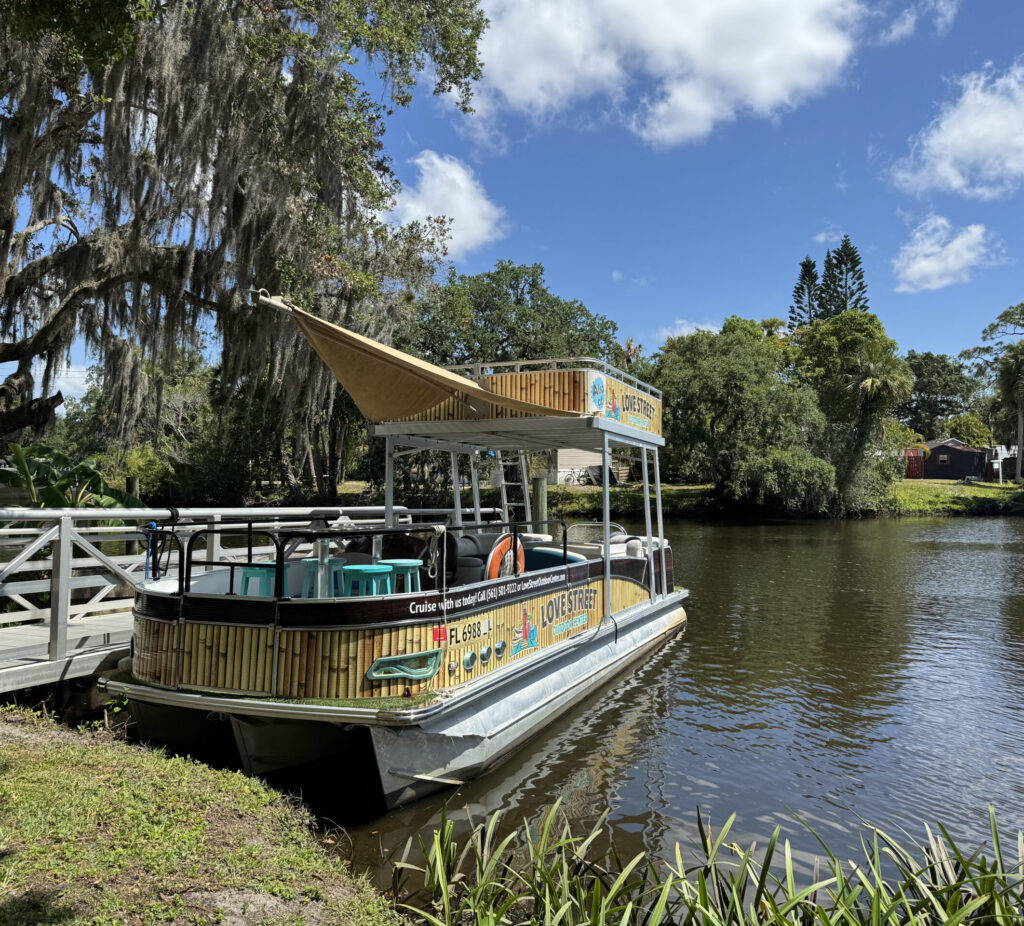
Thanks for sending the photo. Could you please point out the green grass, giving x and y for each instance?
(543, 873)
(947, 497)
(93, 831)
(627, 501)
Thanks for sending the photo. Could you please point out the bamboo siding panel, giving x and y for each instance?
(627, 594)
(558, 389)
(332, 663)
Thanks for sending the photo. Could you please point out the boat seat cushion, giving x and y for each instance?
(546, 557)
(477, 544)
(470, 569)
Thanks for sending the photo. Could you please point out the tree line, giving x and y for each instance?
(161, 159)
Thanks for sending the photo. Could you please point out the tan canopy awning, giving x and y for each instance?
(389, 385)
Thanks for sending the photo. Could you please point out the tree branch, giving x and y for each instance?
(61, 221)
(30, 414)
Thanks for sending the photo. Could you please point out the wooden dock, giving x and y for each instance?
(94, 642)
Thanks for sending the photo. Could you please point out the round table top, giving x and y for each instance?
(368, 567)
(403, 562)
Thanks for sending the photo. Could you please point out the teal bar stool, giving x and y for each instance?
(264, 573)
(334, 566)
(406, 569)
(371, 578)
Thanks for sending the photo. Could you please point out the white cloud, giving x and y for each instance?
(943, 12)
(830, 234)
(975, 146)
(671, 71)
(72, 381)
(937, 255)
(902, 27)
(681, 327)
(617, 276)
(447, 186)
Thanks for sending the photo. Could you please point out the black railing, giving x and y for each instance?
(281, 540)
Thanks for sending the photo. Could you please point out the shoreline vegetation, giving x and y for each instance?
(95, 831)
(905, 498)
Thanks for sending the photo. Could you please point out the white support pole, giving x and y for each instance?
(389, 481)
(323, 575)
(647, 524)
(60, 591)
(661, 525)
(606, 460)
(474, 473)
(212, 541)
(456, 491)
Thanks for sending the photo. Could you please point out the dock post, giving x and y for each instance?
(540, 497)
(60, 591)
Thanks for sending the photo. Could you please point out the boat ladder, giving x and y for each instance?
(513, 474)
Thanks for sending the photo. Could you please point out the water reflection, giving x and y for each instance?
(867, 670)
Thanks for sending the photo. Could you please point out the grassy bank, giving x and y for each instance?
(97, 832)
(924, 497)
(627, 501)
(908, 498)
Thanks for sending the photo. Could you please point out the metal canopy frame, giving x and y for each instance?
(586, 432)
(536, 433)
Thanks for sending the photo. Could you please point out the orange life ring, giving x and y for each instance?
(499, 560)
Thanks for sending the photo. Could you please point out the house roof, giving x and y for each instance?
(953, 444)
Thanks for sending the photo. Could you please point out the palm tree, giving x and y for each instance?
(1010, 386)
(877, 380)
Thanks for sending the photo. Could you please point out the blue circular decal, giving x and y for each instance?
(597, 393)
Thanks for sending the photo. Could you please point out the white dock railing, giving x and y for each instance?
(66, 597)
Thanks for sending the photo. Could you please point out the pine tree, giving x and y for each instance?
(804, 309)
(828, 291)
(852, 291)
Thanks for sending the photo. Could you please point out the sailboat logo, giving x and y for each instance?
(527, 638)
(613, 410)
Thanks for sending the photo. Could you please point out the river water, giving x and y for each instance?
(862, 671)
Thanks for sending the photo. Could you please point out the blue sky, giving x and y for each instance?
(671, 162)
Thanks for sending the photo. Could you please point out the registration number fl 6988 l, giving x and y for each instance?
(470, 631)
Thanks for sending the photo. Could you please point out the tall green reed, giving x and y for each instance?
(543, 874)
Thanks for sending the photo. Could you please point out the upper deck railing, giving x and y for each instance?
(583, 386)
(555, 363)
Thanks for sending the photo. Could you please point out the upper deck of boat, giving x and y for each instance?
(566, 403)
